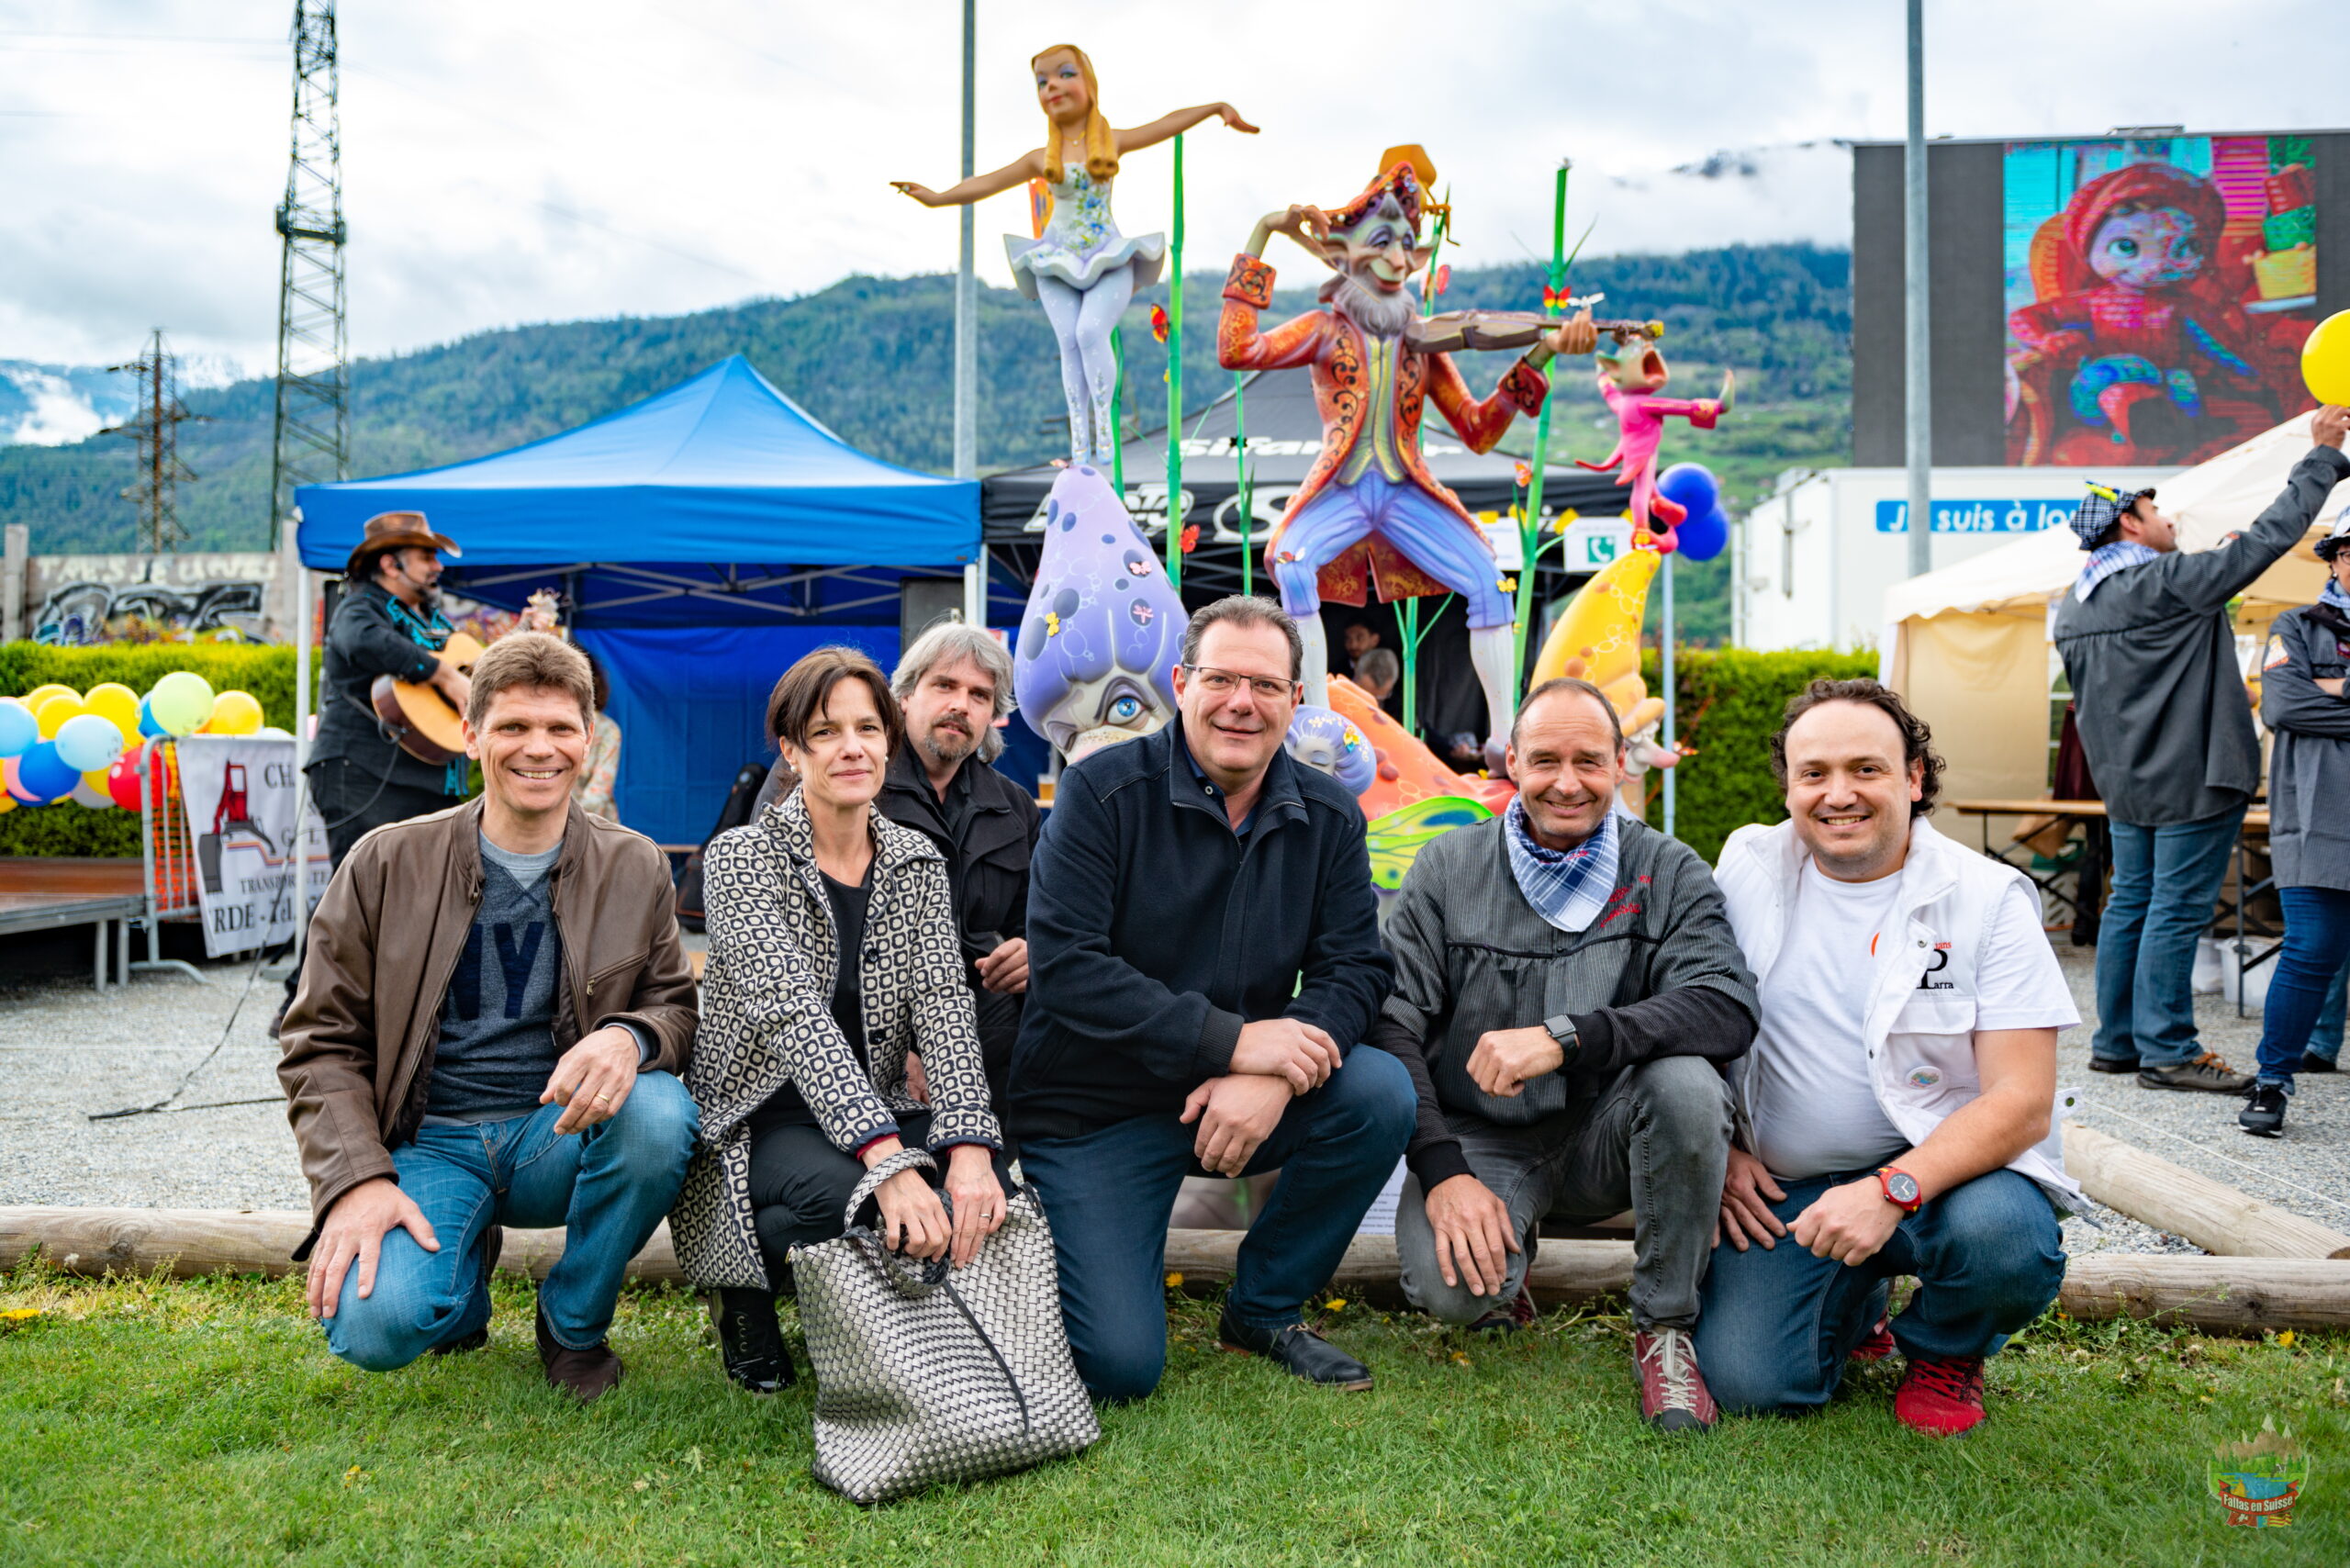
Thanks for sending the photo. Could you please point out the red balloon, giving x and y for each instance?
(122, 781)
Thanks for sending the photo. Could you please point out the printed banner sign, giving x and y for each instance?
(1980, 517)
(240, 797)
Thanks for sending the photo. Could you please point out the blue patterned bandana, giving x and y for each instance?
(2108, 559)
(1568, 888)
(2331, 594)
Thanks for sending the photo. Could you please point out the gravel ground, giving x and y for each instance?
(66, 1050)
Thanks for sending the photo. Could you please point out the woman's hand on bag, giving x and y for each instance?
(911, 1220)
(978, 1196)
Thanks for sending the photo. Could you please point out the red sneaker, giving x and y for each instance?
(1941, 1399)
(1876, 1344)
(1674, 1397)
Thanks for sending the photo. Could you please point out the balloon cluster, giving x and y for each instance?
(1705, 531)
(57, 743)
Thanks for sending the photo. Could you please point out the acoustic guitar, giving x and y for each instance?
(425, 723)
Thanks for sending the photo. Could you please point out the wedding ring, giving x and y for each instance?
(603, 1099)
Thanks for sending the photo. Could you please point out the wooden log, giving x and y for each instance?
(2222, 1294)
(190, 1242)
(2169, 1197)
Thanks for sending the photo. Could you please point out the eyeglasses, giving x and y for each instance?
(1224, 683)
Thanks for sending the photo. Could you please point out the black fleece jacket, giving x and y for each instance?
(1155, 932)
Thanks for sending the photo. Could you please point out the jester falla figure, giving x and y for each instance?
(1369, 514)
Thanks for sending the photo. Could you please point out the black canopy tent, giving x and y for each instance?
(1284, 434)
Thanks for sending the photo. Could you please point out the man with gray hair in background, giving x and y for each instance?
(954, 684)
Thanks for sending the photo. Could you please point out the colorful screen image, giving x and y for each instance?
(2158, 290)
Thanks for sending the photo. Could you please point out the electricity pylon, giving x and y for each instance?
(311, 442)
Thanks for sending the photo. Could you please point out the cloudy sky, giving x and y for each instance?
(531, 159)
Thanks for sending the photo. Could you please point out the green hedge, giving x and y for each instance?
(267, 672)
(1729, 702)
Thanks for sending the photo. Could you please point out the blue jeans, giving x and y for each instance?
(2165, 880)
(607, 1187)
(1110, 1192)
(1777, 1325)
(2326, 1035)
(2308, 979)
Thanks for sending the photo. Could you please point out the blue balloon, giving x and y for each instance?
(147, 725)
(1692, 486)
(44, 773)
(18, 729)
(1704, 535)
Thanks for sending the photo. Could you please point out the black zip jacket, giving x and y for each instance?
(1155, 932)
(363, 642)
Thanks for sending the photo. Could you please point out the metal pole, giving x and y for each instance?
(1918, 392)
(1530, 522)
(967, 282)
(1664, 659)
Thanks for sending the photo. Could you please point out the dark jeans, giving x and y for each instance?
(2308, 979)
(2165, 881)
(1779, 1324)
(1655, 1142)
(2326, 1035)
(1109, 1195)
(800, 1183)
(350, 805)
(607, 1187)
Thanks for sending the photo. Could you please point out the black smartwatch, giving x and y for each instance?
(1562, 1029)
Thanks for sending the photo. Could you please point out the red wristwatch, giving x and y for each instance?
(1900, 1189)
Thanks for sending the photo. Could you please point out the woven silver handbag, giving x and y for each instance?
(926, 1374)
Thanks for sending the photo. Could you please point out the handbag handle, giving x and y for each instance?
(871, 1182)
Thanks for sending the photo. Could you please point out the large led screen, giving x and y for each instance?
(2159, 289)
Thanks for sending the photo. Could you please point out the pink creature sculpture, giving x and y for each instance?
(1629, 378)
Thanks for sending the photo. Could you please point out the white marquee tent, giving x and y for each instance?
(1968, 645)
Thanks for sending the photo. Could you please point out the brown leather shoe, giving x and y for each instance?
(586, 1373)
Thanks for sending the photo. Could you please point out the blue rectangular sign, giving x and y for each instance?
(1979, 517)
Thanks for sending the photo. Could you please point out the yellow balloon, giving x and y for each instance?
(234, 714)
(52, 712)
(40, 694)
(8, 802)
(2326, 359)
(117, 704)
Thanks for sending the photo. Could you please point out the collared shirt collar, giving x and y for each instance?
(1277, 788)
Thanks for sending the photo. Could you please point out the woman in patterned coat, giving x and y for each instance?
(799, 1067)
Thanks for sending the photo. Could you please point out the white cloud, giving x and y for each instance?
(536, 160)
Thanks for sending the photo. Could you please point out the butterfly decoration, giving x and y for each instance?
(1158, 323)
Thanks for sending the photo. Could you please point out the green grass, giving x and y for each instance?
(145, 1421)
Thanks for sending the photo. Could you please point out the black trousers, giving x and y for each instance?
(350, 804)
(800, 1184)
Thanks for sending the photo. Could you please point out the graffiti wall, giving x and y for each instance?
(196, 596)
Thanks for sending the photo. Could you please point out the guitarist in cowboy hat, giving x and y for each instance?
(388, 623)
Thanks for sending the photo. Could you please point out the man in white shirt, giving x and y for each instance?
(1896, 1104)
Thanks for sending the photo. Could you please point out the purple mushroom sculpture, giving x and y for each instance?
(1328, 740)
(1095, 662)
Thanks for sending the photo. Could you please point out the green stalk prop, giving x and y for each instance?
(1118, 414)
(1248, 500)
(1411, 612)
(1529, 520)
(1175, 384)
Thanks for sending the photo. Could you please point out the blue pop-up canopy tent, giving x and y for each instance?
(703, 539)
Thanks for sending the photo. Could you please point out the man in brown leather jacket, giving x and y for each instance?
(493, 1012)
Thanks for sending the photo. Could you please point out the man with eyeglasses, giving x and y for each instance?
(1203, 956)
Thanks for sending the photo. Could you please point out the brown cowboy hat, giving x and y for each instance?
(396, 531)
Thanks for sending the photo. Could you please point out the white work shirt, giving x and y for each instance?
(1814, 1108)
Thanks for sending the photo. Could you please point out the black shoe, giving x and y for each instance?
(750, 1341)
(586, 1375)
(1298, 1350)
(2312, 1063)
(2113, 1064)
(277, 1019)
(2263, 1111)
(2206, 1072)
(493, 1242)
